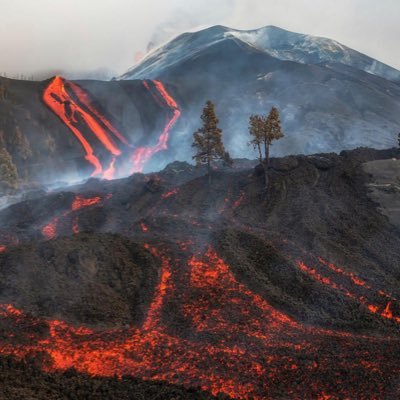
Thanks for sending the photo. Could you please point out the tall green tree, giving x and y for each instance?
(264, 130)
(208, 140)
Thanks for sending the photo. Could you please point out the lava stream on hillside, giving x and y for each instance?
(49, 231)
(96, 133)
(377, 301)
(235, 342)
(143, 154)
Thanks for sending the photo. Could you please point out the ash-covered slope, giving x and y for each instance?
(331, 97)
(252, 293)
(277, 42)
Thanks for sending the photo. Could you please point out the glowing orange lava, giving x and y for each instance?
(349, 288)
(169, 194)
(49, 231)
(75, 109)
(81, 202)
(142, 154)
(57, 98)
(84, 98)
(144, 227)
(240, 345)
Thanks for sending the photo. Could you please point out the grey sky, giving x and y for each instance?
(85, 35)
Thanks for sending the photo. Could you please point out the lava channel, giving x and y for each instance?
(143, 154)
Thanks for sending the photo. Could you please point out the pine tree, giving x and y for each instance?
(264, 130)
(8, 171)
(20, 143)
(208, 140)
(228, 160)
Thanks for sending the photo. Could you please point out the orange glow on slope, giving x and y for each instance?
(165, 95)
(240, 345)
(169, 194)
(239, 201)
(144, 227)
(109, 174)
(75, 225)
(142, 154)
(81, 202)
(84, 98)
(354, 278)
(49, 231)
(321, 276)
(211, 274)
(56, 98)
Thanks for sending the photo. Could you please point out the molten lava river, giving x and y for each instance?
(234, 341)
(92, 129)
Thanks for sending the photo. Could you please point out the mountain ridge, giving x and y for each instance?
(277, 42)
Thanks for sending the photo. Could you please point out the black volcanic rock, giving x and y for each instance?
(284, 164)
(299, 284)
(88, 279)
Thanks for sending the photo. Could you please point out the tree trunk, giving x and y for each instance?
(209, 171)
(260, 152)
(266, 166)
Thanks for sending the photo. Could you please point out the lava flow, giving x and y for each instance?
(143, 154)
(49, 231)
(75, 109)
(236, 342)
(75, 112)
(353, 287)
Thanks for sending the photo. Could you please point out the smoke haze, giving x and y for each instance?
(104, 38)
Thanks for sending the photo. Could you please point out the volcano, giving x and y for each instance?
(119, 282)
(331, 97)
(160, 279)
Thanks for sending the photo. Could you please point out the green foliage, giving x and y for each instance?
(21, 144)
(208, 140)
(263, 131)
